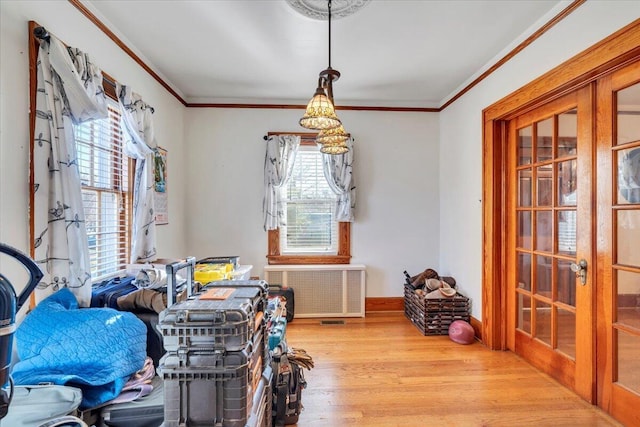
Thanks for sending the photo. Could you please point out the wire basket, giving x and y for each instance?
(433, 316)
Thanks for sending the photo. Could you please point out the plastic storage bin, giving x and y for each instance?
(206, 396)
(242, 272)
(229, 259)
(214, 389)
(262, 401)
(205, 273)
(213, 324)
(251, 356)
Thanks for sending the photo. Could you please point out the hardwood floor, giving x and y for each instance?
(381, 371)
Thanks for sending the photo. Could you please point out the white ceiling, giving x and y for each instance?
(391, 52)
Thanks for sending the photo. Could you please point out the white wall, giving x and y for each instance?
(419, 175)
(396, 172)
(63, 20)
(461, 133)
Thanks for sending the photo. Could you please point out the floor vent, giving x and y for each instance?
(322, 291)
(332, 322)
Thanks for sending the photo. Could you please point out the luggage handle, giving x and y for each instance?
(217, 260)
(219, 317)
(189, 263)
(260, 284)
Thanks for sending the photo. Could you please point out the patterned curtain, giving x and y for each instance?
(69, 91)
(137, 126)
(338, 170)
(278, 165)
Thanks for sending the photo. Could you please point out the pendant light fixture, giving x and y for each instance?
(320, 113)
(332, 136)
(337, 148)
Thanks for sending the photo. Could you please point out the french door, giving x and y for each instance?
(552, 316)
(618, 293)
(573, 245)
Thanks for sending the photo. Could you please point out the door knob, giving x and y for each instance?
(581, 270)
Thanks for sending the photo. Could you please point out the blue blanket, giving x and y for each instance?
(94, 349)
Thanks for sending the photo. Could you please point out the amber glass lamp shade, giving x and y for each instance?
(332, 136)
(320, 113)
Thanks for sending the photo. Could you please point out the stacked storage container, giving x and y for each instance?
(217, 370)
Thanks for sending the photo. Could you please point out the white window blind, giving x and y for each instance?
(104, 174)
(308, 203)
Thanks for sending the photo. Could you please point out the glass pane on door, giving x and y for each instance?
(567, 178)
(524, 313)
(543, 322)
(628, 299)
(628, 182)
(544, 140)
(627, 115)
(524, 188)
(544, 230)
(567, 332)
(628, 361)
(544, 182)
(567, 221)
(524, 146)
(566, 283)
(524, 230)
(543, 276)
(524, 271)
(628, 237)
(568, 133)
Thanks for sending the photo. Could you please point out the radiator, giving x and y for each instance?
(322, 290)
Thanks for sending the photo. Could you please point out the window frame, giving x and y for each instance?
(275, 257)
(125, 196)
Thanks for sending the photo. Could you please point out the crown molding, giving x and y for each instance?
(553, 21)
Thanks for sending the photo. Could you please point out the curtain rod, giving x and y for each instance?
(41, 33)
(303, 135)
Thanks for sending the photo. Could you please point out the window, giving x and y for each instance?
(104, 175)
(309, 203)
(311, 234)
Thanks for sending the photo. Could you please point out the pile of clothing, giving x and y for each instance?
(431, 285)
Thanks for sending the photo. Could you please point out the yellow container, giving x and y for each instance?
(205, 273)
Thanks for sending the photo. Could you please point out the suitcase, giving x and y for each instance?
(287, 295)
(148, 411)
(106, 293)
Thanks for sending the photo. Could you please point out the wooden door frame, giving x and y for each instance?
(610, 54)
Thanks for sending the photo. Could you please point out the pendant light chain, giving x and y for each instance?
(320, 113)
(329, 12)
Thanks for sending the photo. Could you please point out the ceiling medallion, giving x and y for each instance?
(317, 9)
